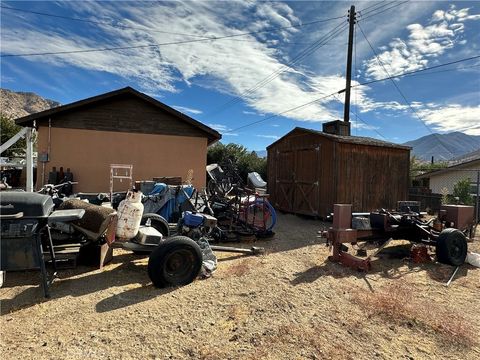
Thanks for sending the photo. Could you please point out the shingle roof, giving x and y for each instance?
(28, 120)
(348, 139)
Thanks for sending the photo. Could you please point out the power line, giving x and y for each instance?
(202, 38)
(256, 87)
(400, 91)
(284, 112)
(374, 4)
(343, 90)
(120, 26)
(376, 7)
(382, 11)
(359, 118)
(410, 73)
(304, 53)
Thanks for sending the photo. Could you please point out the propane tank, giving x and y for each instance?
(130, 213)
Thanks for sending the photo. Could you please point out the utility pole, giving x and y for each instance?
(351, 20)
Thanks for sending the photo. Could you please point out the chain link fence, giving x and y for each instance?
(449, 185)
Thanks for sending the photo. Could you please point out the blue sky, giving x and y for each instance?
(201, 78)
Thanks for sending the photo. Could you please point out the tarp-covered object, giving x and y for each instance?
(165, 200)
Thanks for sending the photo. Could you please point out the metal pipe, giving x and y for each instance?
(29, 156)
(477, 205)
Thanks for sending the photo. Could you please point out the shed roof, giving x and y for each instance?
(345, 139)
(28, 120)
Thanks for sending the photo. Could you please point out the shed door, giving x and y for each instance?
(285, 161)
(306, 193)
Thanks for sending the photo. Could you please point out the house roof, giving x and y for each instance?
(470, 160)
(345, 139)
(28, 120)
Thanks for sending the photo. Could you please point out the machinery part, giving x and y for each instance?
(254, 250)
(451, 247)
(451, 277)
(175, 262)
(156, 221)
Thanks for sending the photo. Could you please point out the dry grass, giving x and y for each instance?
(398, 304)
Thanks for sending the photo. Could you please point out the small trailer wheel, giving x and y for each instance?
(175, 262)
(451, 247)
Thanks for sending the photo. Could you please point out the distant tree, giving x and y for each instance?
(246, 161)
(461, 190)
(418, 167)
(8, 129)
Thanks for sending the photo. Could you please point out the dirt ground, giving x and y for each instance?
(289, 304)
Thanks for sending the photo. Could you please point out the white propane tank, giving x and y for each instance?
(130, 213)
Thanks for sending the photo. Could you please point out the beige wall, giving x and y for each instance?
(448, 179)
(89, 153)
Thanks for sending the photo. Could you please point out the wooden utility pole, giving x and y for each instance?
(351, 20)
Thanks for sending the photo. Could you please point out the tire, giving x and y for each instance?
(451, 247)
(157, 222)
(175, 262)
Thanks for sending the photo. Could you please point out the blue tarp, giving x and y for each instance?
(165, 200)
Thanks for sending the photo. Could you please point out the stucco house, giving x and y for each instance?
(124, 126)
(443, 181)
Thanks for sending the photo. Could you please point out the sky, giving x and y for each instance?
(254, 88)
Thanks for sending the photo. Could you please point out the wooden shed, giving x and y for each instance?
(309, 171)
(124, 126)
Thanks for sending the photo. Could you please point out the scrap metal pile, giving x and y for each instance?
(446, 233)
(242, 212)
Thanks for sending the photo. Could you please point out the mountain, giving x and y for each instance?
(17, 104)
(444, 146)
(261, 153)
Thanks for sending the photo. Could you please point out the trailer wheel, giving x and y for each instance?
(175, 262)
(451, 247)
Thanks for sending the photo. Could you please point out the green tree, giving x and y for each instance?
(8, 129)
(247, 161)
(461, 190)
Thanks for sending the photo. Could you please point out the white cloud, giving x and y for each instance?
(223, 129)
(452, 117)
(275, 137)
(219, 127)
(227, 66)
(189, 110)
(423, 44)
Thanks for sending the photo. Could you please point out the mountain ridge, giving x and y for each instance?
(444, 147)
(18, 104)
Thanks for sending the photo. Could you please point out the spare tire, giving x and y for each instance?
(451, 247)
(175, 262)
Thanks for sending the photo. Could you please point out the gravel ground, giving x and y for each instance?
(288, 304)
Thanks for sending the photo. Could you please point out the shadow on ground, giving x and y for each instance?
(392, 263)
(123, 270)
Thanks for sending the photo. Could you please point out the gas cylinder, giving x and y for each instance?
(130, 213)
